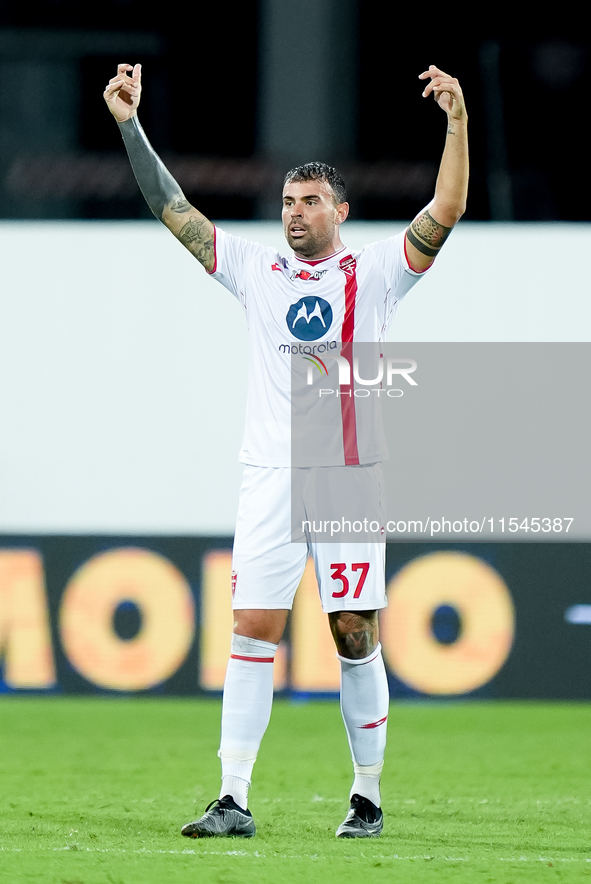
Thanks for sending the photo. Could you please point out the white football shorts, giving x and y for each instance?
(267, 565)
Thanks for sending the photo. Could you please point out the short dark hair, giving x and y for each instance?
(319, 172)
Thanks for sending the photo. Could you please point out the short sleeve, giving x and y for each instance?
(390, 255)
(232, 256)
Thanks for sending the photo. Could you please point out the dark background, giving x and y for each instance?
(202, 99)
(549, 658)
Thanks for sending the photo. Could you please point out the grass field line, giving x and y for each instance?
(313, 856)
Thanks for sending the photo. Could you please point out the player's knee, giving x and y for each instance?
(264, 625)
(355, 633)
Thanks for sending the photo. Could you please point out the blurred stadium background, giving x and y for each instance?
(121, 366)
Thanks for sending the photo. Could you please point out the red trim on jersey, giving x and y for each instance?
(215, 254)
(252, 659)
(349, 267)
(350, 296)
(424, 270)
(374, 723)
(319, 260)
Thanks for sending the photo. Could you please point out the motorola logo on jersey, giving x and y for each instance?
(309, 318)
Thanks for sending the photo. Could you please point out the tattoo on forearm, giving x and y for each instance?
(156, 183)
(197, 237)
(427, 235)
(163, 194)
(180, 205)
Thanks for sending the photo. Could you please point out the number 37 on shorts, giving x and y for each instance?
(349, 578)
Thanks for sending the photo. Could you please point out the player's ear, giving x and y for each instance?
(342, 212)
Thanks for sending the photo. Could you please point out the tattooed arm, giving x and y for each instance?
(162, 193)
(164, 196)
(429, 230)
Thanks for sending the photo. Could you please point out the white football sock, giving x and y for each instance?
(246, 710)
(364, 706)
(367, 781)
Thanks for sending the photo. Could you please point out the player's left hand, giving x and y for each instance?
(446, 91)
(123, 92)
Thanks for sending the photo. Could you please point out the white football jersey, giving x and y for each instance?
(308, 309)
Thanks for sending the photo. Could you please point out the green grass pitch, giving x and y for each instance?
(94, 791)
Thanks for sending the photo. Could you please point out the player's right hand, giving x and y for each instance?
(123, 92)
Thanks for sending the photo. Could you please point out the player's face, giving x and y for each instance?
(311, 218)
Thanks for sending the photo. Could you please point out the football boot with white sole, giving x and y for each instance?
(364, 820)
(222, 818)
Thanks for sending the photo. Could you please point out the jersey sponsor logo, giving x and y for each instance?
(309, 318)
(302, 349)
(276, 267)
(307, 274)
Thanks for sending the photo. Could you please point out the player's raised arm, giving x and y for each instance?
(162, 193)
(429, 230)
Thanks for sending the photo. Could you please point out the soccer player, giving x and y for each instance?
(323, 292)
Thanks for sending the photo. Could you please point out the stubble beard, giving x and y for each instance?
(312, 244)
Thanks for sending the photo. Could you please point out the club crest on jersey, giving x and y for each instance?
(348, 265)
(307, 274)
(309, 318)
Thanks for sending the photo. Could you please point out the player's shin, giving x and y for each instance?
(246, 710)
(364, 705)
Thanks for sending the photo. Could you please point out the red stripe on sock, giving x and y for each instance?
(253, 659)
(374, 723)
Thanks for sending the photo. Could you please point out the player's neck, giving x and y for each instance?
(322, 254)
